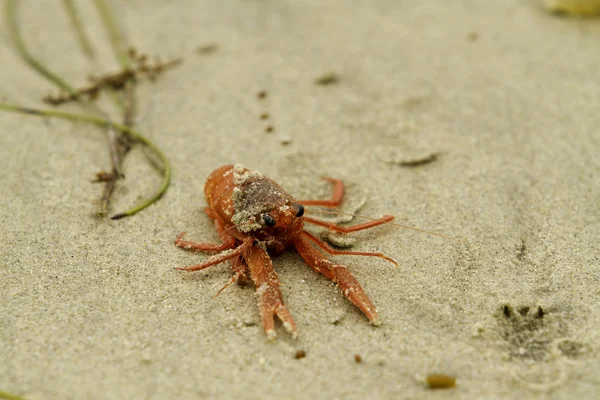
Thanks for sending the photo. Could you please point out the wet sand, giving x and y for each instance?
(503, 94)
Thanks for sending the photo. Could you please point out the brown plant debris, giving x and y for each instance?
(472, 36)
(330, 78)
(207, 49)
(411, 160)
(103, 176)
(142, 68)
(417, 162)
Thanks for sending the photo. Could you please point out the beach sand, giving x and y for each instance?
(503, 92)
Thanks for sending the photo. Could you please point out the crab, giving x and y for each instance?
(253, 216)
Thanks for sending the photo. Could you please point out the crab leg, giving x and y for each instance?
(270, 302)
(227, 241)
(324, 246)
(240, 273)
(338, 274)
(336, 197)
(219, 258)
(348, 229)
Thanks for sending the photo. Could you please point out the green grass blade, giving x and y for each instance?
(15, 35)
(166, 168)
(114, 35)
(84, 41)
(10, 396)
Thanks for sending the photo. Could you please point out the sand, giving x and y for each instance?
(504, 93)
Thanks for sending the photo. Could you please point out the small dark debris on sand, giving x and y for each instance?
(440, 381)
(417, 161)
(472, 36)
(207, 49)
(329, 78)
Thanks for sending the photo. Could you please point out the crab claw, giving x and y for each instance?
(270, 301)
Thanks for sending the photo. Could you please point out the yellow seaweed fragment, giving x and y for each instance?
(440, 381)
(574, 7)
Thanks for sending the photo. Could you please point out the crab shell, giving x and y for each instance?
(250, 204)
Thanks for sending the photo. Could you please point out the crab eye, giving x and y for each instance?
(299, 208)
(269, 221)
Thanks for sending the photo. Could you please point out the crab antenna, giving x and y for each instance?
(391, 223)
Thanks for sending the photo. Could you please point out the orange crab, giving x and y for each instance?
(253, 214)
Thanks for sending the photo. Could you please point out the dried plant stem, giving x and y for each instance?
(84, 41)
(11, 15)
(111, 180)
(129, 103)
(120, 144)
(165, 167)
